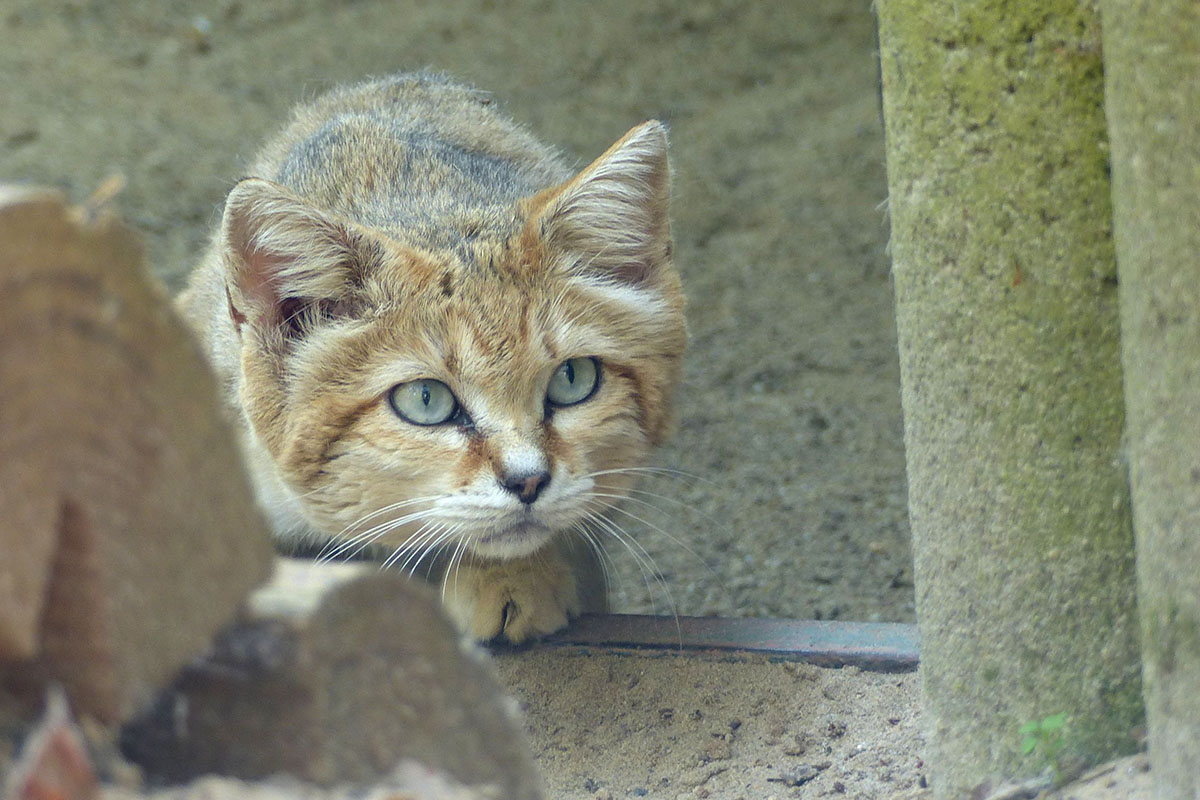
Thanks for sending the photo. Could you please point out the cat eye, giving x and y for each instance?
(573, 382)
(423, 402)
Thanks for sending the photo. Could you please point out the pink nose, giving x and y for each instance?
(526, 486)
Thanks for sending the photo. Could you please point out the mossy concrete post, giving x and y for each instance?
(1006, 300)
(1152, 68)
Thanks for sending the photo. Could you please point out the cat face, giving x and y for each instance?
(486, 398)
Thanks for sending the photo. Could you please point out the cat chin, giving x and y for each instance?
(517, 541)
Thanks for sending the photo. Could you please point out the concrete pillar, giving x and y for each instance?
(1006, 298)
(1152, 69)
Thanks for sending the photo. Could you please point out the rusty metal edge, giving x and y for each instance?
(874, 646)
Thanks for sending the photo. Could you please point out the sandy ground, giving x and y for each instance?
(629, 725)
(686, 727)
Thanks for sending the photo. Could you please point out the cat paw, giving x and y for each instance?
(514, 600)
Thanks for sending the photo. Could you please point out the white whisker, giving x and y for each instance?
(606, 565)
(455, 561)
(640, 555)
(419, 550)
(672, 537)
(363, 540)
(275, 505)
(427, 532)
(668, 472)
(385, 510)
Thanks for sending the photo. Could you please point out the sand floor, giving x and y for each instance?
(628, 725)
(672, 726)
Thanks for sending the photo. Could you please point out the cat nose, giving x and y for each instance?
(527, 485)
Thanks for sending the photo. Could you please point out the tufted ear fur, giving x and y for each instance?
(614, 214)
(287, 265)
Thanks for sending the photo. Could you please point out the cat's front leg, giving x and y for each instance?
(514, 599)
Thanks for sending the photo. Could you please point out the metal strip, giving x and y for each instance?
(876, 646)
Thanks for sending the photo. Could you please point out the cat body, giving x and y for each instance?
(439, 341)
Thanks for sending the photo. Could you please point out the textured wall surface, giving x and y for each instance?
(1152, 69)
(1006, 294)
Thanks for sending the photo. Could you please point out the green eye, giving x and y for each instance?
(573, 381)
(423, 402)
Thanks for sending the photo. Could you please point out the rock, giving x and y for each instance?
(335, 673)
(128, 533)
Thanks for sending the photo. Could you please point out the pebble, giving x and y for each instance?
(716, 750)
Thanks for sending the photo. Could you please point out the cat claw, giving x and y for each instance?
(509, 609)
(512, 601)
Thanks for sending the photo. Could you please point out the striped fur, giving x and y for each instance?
(403, 229)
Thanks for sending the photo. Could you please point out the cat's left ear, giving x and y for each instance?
(614, 215)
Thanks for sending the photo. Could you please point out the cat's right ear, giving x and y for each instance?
(286, 263)
(613, 214)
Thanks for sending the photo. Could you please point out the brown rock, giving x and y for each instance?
(127, 530)
(335, 673)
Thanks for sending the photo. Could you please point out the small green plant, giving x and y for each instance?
(1045, 739)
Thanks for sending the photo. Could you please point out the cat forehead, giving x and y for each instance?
(484, 330)
(518, 329)
(470, 256)
(501, 311)
(478, 285)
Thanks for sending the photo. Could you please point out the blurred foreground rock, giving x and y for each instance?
(129, 538)
(55, 765)
(409, 781)
(336, 673)
(127, 530)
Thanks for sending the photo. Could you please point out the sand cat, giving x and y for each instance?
(441, 341)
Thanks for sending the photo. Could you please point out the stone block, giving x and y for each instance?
(128, 532)
(336, 673)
